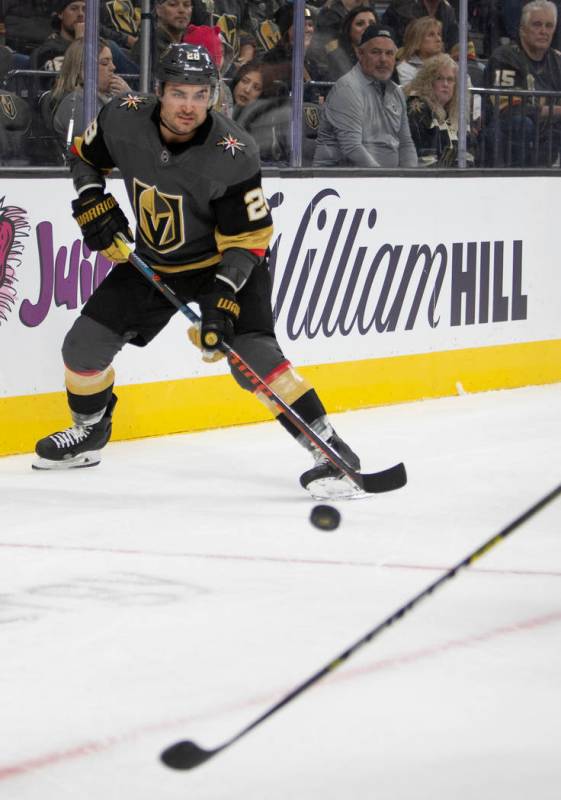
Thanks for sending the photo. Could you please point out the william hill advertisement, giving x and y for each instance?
(388, 289)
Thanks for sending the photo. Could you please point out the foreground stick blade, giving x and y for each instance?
(187, 754)
(376, 480)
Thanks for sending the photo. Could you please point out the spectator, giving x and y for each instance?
(120, 27)
(15, 122)
(432, 109)
(248, 52)
(229, 15)
(67, 98)
(259, 23)
(423, 39)
(172, 18)
(11, 61)
(247, 86)
(486, 25)
(28, 23)
(201, 14)
(342, 52)
(68, 21)
(120, 22)
(278, 61)
(329, 23)
(364, 120)
(269, 121)
(475, 67)
(399, 14)
(212, 39)
(535, 65)
(5, 61)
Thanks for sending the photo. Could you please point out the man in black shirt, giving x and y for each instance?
(68, 21)
(530, 65)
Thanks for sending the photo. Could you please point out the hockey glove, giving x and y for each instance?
(219, 311)
(209, 356)
(100, 218)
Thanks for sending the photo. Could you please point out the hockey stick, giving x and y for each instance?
(384, 481)
(188, 754)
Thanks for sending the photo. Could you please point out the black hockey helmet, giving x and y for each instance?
(187, 63)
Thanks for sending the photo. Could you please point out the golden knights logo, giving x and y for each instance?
(268, 34)
(8, 106)
(123, 16)
(159, 216)
(311, 117)
(132, 101)
(228, 24)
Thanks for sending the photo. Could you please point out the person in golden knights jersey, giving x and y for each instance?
(194, 182)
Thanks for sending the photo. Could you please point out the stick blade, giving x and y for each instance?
(386, 480)
(185, 755)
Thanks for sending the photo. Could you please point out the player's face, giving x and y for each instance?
(248, 88)
(183, 109)
(537, 33)
(359, 25)
(377, 58)
(432, 43)
(175, 15)
(444, 84)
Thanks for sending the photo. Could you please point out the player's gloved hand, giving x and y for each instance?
(210, 356)
(100, 218)
(219, 311)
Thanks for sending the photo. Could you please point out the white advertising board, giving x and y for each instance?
(363, 268)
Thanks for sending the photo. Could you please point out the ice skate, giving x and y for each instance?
(77, 446)
(324, 481)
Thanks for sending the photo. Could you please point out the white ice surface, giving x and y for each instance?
(178, 590)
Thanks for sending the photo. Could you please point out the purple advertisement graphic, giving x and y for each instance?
(13, 228)
(67, 276)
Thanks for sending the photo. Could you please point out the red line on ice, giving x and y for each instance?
(89, 748)
(273, 559)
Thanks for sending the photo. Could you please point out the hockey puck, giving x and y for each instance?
(326, 518)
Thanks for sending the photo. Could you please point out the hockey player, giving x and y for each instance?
(193, 179)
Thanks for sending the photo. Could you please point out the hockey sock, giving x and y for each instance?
(311, 409)
(89, 393)
(297, 392)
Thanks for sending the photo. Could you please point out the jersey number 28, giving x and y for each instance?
(256, 204)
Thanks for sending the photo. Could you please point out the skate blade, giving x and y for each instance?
(90, 459)
(335, 489)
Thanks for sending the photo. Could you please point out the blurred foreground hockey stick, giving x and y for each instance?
(188, 754)
(384, 481)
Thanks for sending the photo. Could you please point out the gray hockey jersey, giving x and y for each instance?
(196, 204)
